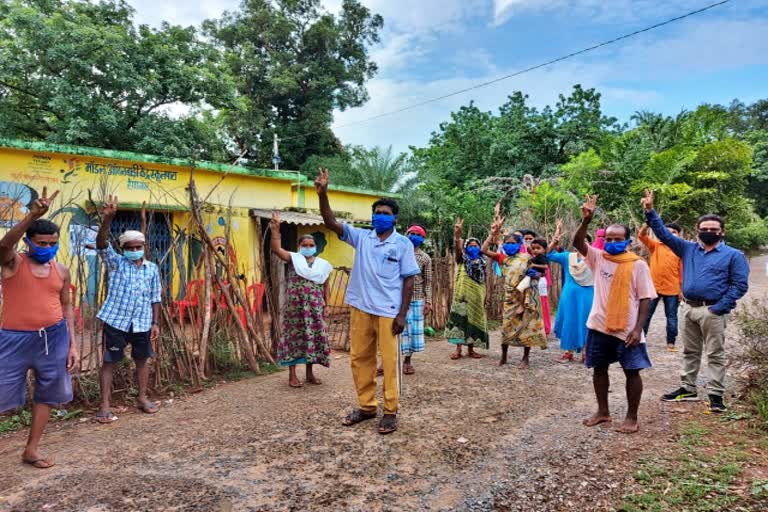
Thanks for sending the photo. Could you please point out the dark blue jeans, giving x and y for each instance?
(671, 302)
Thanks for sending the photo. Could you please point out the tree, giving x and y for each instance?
(78, 72)
(294, 64)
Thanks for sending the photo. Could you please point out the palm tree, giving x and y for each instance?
(381, 169)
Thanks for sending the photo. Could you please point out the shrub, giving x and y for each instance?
(751, 360)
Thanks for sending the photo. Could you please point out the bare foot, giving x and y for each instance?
(596, 420)
(628, 427)
(502, 361)
(311, 379)
(295, 383)
(523, 365)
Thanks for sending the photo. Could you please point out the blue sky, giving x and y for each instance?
(432, 47)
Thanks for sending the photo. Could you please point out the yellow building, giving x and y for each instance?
(239, 202)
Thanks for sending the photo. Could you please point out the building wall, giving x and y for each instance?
(79, 174)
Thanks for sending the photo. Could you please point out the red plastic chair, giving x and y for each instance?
(191, 299)
(78, 312)
(255, 296)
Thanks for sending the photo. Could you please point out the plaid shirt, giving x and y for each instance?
(132, 291)
(422, 288)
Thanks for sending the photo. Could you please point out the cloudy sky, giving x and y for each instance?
(433, 47)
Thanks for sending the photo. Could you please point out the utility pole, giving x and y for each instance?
(276, 153)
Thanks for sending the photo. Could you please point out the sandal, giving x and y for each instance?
(475, 355)
(379, 372)
(357, 416)
(388, 424)
(150, 408)
(105, 417)
(40, 463)
(456, 356)
(409, 370)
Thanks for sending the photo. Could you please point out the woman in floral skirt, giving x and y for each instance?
(304, 338)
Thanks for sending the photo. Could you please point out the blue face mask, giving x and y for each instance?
(134, 255)
(511, 249)
(416, 240)
(473, 252)
(307, 252)
(382, 222)
(42, 254)
(615, 248)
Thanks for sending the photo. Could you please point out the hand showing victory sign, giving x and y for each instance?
(41, 205)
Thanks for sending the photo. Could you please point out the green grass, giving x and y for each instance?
(23, 419)
(696, 475)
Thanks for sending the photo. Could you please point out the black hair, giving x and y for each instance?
(627, 230)
(306, 237)
(539, 260)
(539, 241)
(385, 201)
(710, 216)
(528, 232)
(515, 236)
(675, 226)
(42, 227)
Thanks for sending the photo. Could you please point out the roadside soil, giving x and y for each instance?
(473, 436)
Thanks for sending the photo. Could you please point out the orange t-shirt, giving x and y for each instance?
(666, 267)
(30, 302)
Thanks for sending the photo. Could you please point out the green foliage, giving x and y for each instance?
(293, 63)
(548, 202)
(15, 422)
(81, 73)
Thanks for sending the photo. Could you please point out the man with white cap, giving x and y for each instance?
(131, 311)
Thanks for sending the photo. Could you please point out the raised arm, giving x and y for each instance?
(8, 243)
(277, 249)
(493, 236)
(321, 186)
(458, 243)
(556, 237)
(107, 216)
(587, 212)
(678, 245)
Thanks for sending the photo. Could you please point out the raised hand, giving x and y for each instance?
(589, 207)
(558, 230)
(458, 228)
(41, 205)
(647, 200)
(643, 231)
(321, 182)
(275, 223)
(498, 223)
(110, 206)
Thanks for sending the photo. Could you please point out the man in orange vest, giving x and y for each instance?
(37, 325)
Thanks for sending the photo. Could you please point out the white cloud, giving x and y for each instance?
(179, 12)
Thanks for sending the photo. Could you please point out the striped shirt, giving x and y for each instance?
(422, 287)
(132, 291)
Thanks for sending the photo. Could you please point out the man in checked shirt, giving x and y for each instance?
(131, 311)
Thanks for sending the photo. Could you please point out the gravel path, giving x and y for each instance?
(473, 437)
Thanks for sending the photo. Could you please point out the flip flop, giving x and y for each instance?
(40, 463)
(409, 370)
(299, 385)
(357, 416)
(456, 356)
(105, 418)
(150, 408)
(379, 372)
(388, 424)
(475, 355)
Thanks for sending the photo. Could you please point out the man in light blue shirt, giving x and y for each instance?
(379, 294)
(130, 312)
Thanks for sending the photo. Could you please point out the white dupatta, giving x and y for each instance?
(317, 273)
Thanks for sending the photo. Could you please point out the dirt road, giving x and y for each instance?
(473, 436)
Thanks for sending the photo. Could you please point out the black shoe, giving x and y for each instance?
(716, 404)
(680, 395)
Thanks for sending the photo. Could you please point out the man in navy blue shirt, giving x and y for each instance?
(715, 276)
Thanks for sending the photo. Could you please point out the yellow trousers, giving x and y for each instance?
(367, 332)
